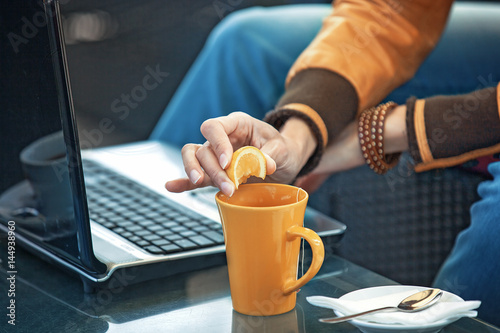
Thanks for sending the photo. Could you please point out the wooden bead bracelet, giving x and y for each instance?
(371, 138)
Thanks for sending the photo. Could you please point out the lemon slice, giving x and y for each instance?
(246, 162)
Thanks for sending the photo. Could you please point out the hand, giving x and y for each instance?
(286, 151)
(345, 152)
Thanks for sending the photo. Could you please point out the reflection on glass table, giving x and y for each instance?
(49, 300)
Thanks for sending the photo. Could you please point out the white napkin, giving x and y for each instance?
(448, 307)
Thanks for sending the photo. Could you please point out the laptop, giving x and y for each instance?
(101, 214)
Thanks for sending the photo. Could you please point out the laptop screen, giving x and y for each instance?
(41, 187)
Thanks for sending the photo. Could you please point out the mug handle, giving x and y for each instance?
(318, 251)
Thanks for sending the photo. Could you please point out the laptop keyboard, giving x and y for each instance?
(153, 222)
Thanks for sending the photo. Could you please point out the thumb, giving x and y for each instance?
(270, 164)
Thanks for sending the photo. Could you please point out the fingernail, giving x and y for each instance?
(227, 189)
(223, 161)
(194, 176)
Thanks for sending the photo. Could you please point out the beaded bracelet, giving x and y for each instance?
(371, 138)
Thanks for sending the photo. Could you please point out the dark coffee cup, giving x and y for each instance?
(45, 165)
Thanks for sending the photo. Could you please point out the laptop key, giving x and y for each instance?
(121, 209)
(183, 219)
(192, 224)
(126, 224)
(164, 232)
(169, 248)
(152, 214)
(134, 239)
(154, 227)
(143, 243)
(214, 226)
(172, 237)
(108, 225)
(179, 229)
(115, 219)
(173, 214)
(188, 233)
(200, 229)
(135, 217)
(142, 232)
(151, 237)
(107, 214)
(215, 236)
(202, 241)
(118, 230)
(160, 242)
(134, 228)
(126, 234)
(154, 249)
(147, 224)
(155, 205)
(170, 224)
(185, 244)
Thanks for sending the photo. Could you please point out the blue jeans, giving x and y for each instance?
(243, 68)
(472, 270)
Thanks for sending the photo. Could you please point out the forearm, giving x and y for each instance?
(438, 137)
(396, 137)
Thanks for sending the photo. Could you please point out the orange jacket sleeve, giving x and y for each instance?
(364, 50)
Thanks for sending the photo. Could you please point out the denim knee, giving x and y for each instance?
(235, 28)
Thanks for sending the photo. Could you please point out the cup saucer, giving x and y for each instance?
(372, 327)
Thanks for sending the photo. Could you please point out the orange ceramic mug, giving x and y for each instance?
(263, 226)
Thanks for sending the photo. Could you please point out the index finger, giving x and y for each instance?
(217, 132)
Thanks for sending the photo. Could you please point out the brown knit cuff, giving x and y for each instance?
(330, 95)
(278, 117)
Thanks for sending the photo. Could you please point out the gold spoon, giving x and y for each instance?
(416, 302)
